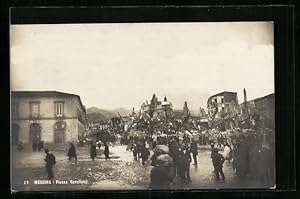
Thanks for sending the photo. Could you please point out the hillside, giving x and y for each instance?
(96, 114)
(93, 117)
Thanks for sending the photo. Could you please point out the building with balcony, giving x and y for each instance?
(49, 116)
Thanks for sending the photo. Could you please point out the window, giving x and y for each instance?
(14, 109)
(222, 100)
(216, 100)
(35, 109)
(59, 109)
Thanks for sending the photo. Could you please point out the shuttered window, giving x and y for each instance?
(59, 109)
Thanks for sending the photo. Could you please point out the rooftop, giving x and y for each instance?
(44, 94)
(222, 93)
(41, 93)
(261, 98)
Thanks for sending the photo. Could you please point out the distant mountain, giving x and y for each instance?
(92, 110)
(96, 114)
(122, 111)
(94, 117)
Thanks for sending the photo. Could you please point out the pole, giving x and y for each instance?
(166, 126)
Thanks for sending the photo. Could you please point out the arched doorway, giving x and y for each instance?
(15, 134)
(59, 132)
(35, 133)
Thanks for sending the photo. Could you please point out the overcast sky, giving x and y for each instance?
(122, 65)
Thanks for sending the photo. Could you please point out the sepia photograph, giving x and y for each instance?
(142, 106)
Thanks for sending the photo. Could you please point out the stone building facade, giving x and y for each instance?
(224, 102)
(49, 116)
(266, 107)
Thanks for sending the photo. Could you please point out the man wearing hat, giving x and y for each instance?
(184, 163)
(161, 174)
(218, 161)
(50, 161)
(194, 151)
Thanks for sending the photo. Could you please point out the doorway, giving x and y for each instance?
(59, 132)
(35, 133)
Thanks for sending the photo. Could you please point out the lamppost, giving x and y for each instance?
(166, 106)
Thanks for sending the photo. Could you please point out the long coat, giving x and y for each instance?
(194, 148)
(106, 151)
(217, 160)
(72, 151)
(93, 151)
(160, 177)
(50, 160)
(184, 160)
(144, 153)
(240, 160)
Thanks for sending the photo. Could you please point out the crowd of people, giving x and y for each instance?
(249, 153)
(254, 158)
(72, 154)
(250, 156)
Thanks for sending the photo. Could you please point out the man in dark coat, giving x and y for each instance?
(144, 154)
(174, 149)
(218, 161)
(194, 151)
(240, 159)
(184, 164)
(93, 151)
(106, 151)
(134, 152)
(161, 176)
(50, 161)
(72, 153)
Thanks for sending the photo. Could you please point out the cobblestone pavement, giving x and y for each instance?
(121, 172)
